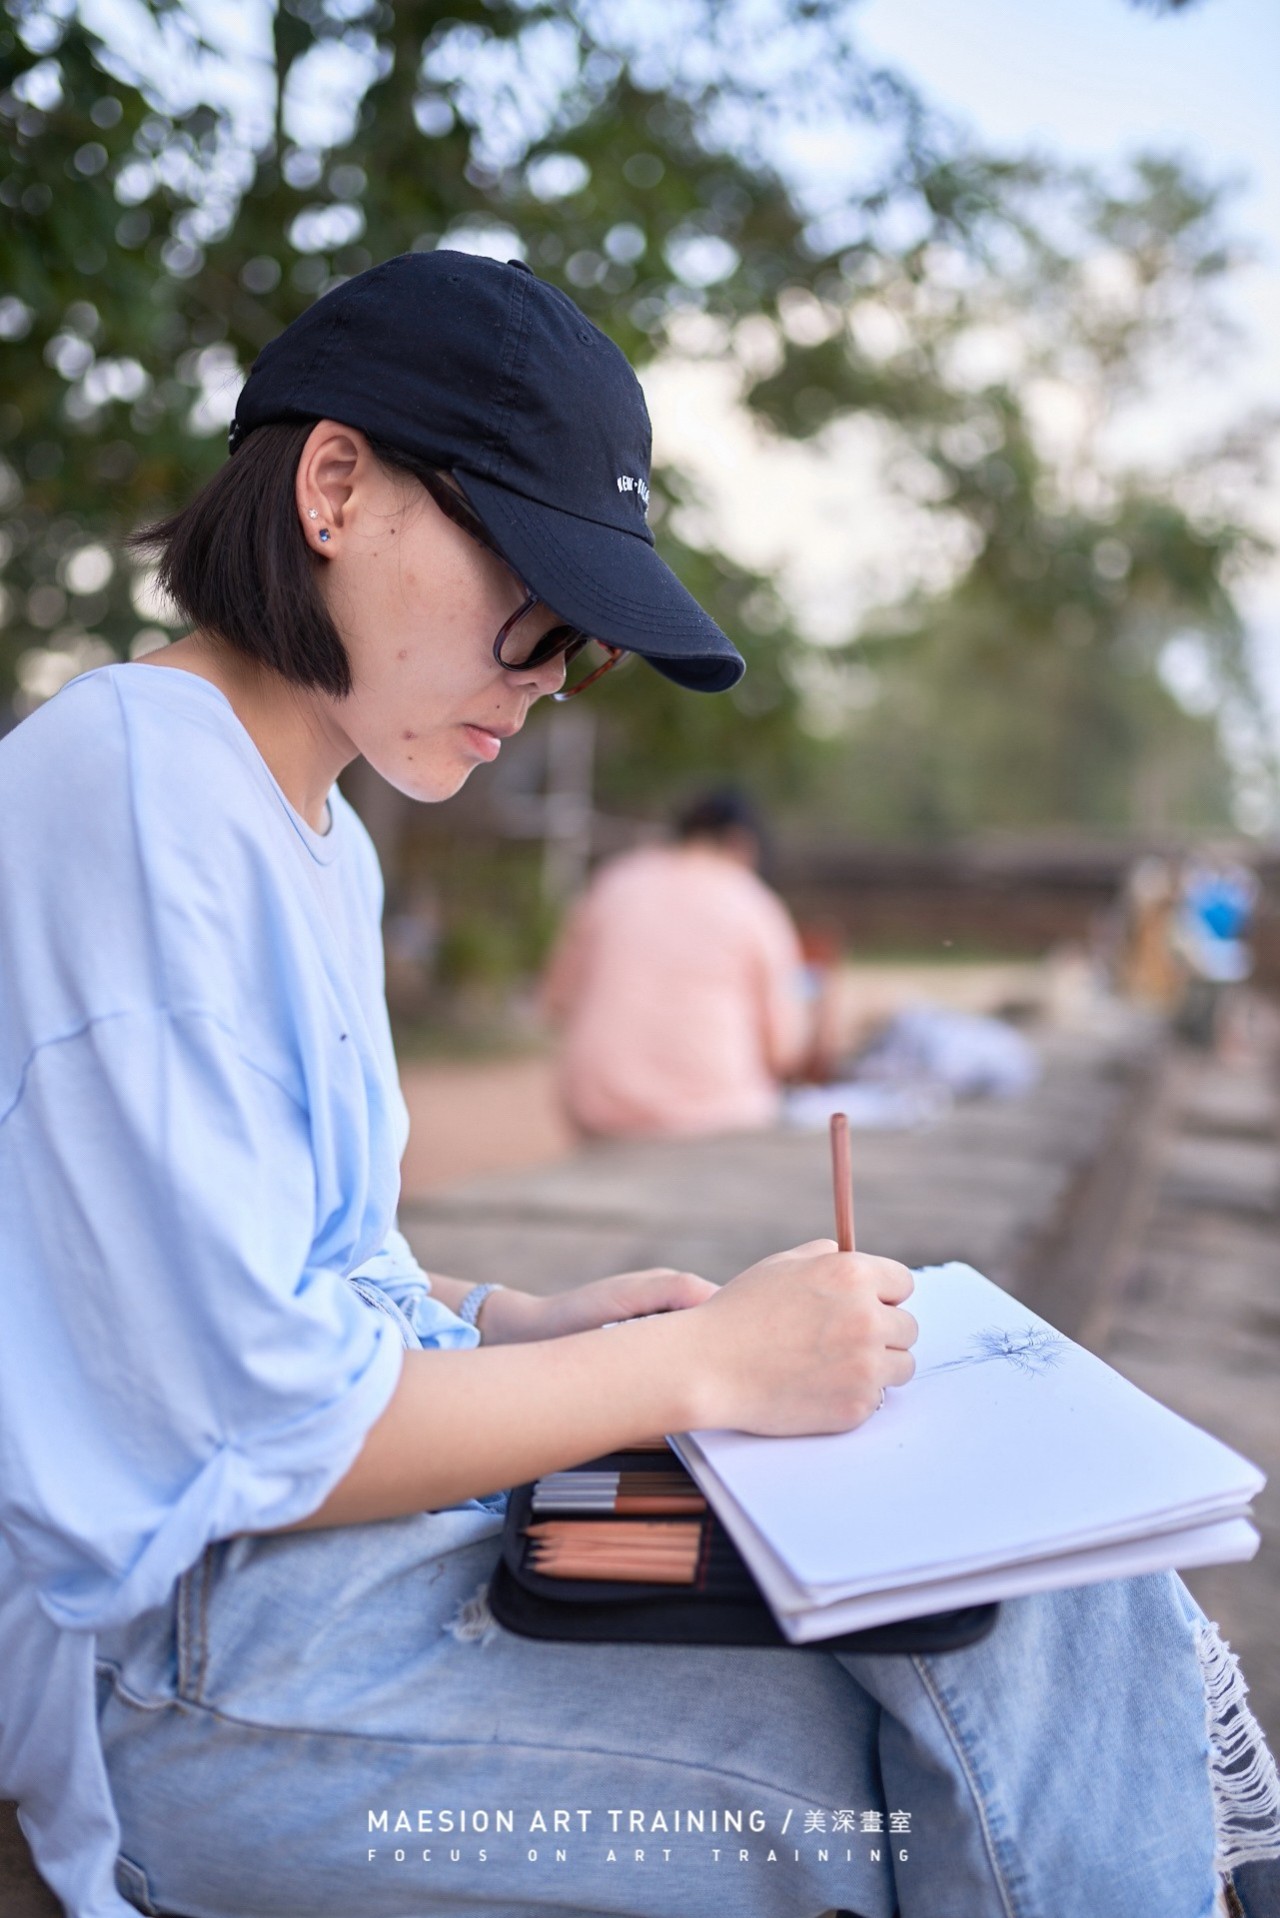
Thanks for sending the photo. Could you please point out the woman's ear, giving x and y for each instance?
(330, 467)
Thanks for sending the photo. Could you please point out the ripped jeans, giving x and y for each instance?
(320, 1723)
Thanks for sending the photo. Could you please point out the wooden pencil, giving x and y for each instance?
(613, 1555)
(609, 1569)
(633, 1480)
(842, 1180)
(627, 1487)
(610, 1554)
(582, 1541)
(656, 1548)
(622, 1506)
(599, 1528)
(620, 1573)
(653, 1538)
(638, 1493)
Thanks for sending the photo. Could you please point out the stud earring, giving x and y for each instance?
(312, 513)
(324, 532)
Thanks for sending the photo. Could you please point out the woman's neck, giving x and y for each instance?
(290, 725)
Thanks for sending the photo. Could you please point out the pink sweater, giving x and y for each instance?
(679, 983)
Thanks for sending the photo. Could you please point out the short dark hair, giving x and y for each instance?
(236, 562)
(714, 815)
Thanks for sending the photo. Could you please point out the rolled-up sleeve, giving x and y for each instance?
(176, 1367)
(395, 1272)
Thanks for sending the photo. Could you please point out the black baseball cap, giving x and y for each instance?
(482, 369)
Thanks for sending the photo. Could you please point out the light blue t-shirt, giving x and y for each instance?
(200, 1134)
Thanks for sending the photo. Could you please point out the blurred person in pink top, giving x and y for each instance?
(680, 986)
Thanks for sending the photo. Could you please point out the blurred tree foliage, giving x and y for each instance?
(1085, 661)
(169, 204)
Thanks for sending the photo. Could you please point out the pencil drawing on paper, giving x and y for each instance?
(1033, 1349)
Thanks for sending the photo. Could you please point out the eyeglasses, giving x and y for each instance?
(512, 650)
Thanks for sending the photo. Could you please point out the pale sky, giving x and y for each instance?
(1095, 80)
(1100, 79)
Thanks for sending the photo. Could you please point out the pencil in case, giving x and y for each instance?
(721, 1605)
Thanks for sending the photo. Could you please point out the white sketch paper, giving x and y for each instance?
(1011, 1445)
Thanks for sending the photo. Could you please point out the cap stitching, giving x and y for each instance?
(320, 353)
(512, 354)
(327, 343)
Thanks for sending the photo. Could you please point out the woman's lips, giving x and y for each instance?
(487, 744)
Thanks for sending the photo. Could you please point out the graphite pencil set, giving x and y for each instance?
(628, 1522)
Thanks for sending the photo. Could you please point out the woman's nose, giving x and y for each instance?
(548, 676)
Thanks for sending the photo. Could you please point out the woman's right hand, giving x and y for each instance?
(802, 1342)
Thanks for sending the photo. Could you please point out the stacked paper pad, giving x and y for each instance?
(1014, 1461)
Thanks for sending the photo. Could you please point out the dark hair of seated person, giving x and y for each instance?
(717, 815)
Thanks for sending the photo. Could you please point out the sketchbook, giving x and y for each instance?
(1014, 1461)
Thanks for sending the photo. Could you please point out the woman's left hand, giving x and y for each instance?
(509, 1317)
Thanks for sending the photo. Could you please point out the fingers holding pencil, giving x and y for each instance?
(895, 1281)
(804, 1341)
(810, 1339)
(900, 1328)
(891, 1281)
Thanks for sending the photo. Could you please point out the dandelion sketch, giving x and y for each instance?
(1032, 1350)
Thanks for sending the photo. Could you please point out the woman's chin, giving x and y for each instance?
(428, 783)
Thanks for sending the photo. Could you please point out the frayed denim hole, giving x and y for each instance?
(1242, 1772)
(473, 1623)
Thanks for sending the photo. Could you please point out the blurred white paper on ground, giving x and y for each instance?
(871, 1108)
(1013, 1461)
(910, 1073)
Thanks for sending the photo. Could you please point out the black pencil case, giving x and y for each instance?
(723, 1606)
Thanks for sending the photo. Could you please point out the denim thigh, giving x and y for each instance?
(301, 1731)
(313, 1712)
(1068, 1753)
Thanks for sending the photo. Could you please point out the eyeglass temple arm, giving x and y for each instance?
(570, 692)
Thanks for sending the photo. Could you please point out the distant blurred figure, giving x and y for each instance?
(680, 986)
(1150, 970)
(1215, 912)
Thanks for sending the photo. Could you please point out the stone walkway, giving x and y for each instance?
(1031, 1191)
(1195, 1317)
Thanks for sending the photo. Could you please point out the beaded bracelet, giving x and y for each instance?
(469, 1310)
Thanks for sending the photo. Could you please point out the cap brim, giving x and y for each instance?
(609, 582)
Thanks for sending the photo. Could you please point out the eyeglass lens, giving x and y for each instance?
(586, 659)
(584, 656)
